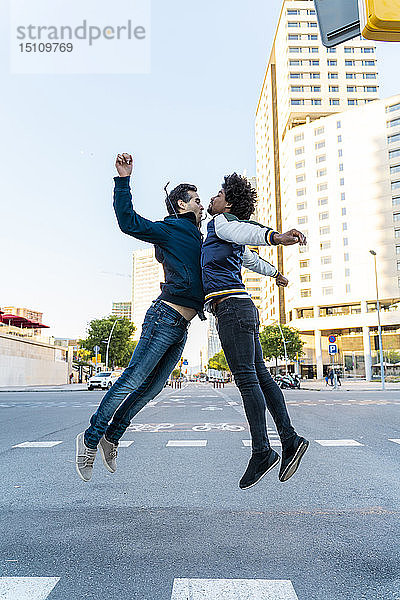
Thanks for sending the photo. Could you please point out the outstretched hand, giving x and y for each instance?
(124, 164)
(281, 281)
(294, 236)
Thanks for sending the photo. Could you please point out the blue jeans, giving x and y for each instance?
(238, 329)
(160, 347)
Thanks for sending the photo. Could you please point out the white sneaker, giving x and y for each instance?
(109, 454)
(84, 458)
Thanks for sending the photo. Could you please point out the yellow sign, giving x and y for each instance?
(380, 19)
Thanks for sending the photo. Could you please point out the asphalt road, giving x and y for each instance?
(175, 513)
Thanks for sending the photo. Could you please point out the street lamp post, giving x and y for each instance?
(379, 322)
(284, 345)
(109, 340)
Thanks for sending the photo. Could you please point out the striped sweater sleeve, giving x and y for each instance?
(230, 229)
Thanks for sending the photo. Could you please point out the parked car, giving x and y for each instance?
(103, 380)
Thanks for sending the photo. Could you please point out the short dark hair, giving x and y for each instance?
(179, 193)
(240, 194)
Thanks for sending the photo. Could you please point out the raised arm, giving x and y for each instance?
(128, 219)
(231, 229)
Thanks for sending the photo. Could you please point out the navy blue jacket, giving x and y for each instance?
(177, 244)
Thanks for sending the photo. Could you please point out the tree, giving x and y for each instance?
(391, 356)
(218, 362)
(175, 374)
(121, 345)
(272, 342)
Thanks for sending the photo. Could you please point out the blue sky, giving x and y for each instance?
(191, 119)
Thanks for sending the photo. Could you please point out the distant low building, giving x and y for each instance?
(122, 310)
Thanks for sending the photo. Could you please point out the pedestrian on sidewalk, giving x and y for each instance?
(327, 379)
(71, 378)
(177, 240)
(224, 253)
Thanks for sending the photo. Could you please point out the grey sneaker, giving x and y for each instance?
(84, 458)
(109, 454)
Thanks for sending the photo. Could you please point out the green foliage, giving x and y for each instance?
(175, 374)
(391, 356)
(218, 362)
(272, 342)
(121, 345)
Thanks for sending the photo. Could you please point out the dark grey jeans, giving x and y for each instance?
(238, 329)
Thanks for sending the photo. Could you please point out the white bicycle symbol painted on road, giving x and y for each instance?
(218, 426)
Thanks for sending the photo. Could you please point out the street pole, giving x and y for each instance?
(284, 345)
(109, 340)
(378, 307)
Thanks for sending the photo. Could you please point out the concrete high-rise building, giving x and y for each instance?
(27, 313)
(147, 275)
(122, 309)
(213, 343)
(328, 163)
(304, 81)
(253, 281)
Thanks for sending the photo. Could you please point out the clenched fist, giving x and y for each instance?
(281, 281)
(124, 164)
(289, 238)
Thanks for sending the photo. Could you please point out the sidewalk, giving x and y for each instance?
(348, 385)
(68, 387)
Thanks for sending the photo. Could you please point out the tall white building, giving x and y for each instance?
(325, 158)
(147, 275)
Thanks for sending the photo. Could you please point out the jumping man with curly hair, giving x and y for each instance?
(224, 252)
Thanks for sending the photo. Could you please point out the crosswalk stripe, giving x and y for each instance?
(233, 589)
(125, 444)
(247, 443)
(26, 588)
(183, 443)
(338, 443)
(394, 440)
(37, 444)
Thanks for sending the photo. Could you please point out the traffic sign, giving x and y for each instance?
(338, 20)
(332, 339)
(185, 362)
(332, 348)
(96, 349)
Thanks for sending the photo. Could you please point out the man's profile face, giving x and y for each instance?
(218, 204)
(194, 205)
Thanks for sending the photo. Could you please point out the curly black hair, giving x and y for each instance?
(178, 193)
(240, 194)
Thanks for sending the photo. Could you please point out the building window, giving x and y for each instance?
(299, 137)
(348, 288)
(293, 11)
(348, 50)
(397, 233)
(345, 241)
(394, 138)
(316, 102)
(398, 265)
(370, 88)
(319, 145)
(343, 211)
(322, 187)
(396, 217)
(305, 293)
(338, 125)
(301, 192)
(327, 275)
(304, 264)
(346, 257)
(393, 122)
(305, 278)
(396, 201)
(295, 62)
(395, 169)
(368, 63)
(298, 151)
(369, 75)
(331, 50)
(322, 201)
(341, 181)
(319, 130)
(321, 158)
(300, 178)
(341, 167)
(394, 153)
(342, 196)
(297, 88)
(351, 76)
(332, 62)
(293, 24)
(294, 49)
(323, 216)
(314, 75)
(351, 88)
(294, 36)
(301, 205)
(321, 172)
(299, 102)
(324, 245)
(344, 226)
(395, 185)
(334, 102)
(333, 88)
(339, 139)
(340, 152)
(327, 291)
(393, 107)
(313, 50)
(367, 50)
(315, 88)
(333, 76)
(349, 63)
(347, 272)
(352, 102)
(302, 220)
(312, 36)
(296, 75)
(314, 62)
(326, 260)
(300, 164)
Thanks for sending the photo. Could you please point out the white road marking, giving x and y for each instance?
(183, 443)
(125, 444)
(247, 443)
(36, 445)
(233, 589)
(338, 443)
(212, 408)
(26, 588)
(394, 440)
